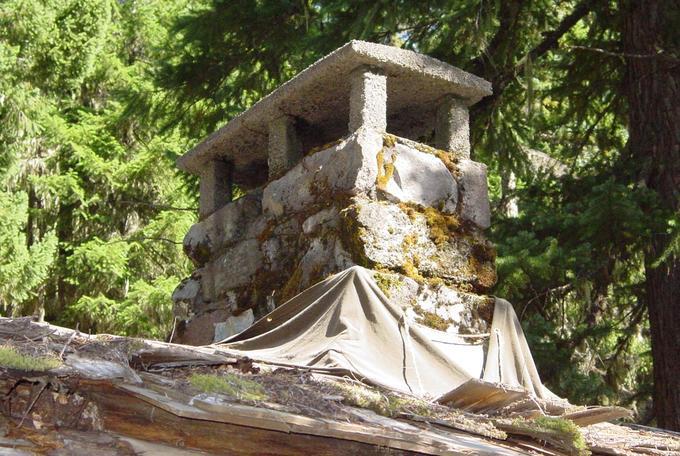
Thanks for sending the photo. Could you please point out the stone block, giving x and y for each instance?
(187, 290)
(418, 177)
(474, 193)
(236, 267)
(200, 330)
(233, 325)
(225, 226)
(460, 312)
(385, 236)
(325, 218)
(347, 168)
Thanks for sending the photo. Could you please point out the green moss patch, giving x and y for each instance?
(442, 227)
(230, 384)
(12, 359)
(561, 433)
(387, 282)
(431, 319)
(386, 404)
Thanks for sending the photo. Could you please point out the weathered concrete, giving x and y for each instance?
(368, 99)
(215, 187)
(320, 96)
(452, 131)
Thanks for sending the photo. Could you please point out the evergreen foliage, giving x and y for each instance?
(90, 234)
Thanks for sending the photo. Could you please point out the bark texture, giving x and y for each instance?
(653, 89)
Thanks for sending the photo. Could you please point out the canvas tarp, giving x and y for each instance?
(345, 325)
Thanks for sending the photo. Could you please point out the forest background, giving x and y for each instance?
(581, 136)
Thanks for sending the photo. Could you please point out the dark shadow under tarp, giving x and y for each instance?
(345, 325)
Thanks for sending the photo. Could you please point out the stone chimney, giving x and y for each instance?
(362, 158)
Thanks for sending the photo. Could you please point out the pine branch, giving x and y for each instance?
(161, 207)
(550, 41)
(626, 55)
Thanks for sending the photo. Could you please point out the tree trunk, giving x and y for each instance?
(653, 91)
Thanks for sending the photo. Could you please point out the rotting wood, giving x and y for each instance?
(131, 416)
(477, 395)
(162, 408)
(596, 415)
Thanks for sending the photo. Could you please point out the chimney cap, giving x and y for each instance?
(320, 94)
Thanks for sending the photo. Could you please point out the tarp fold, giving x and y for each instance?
(345, 325)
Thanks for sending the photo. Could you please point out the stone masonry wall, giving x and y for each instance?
(413, 214)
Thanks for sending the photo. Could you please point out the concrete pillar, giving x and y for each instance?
(368, 99)
(285, 150)
(215, 187)
(452, 129)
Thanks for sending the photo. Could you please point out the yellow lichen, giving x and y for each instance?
(442, 226)
(482, 272)
(389, 140)
(352, 235)
(316, 149)
(385, 169)
(409, 209)
(409, 269)
(449, 160)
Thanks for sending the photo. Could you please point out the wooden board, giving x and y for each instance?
(478, 396)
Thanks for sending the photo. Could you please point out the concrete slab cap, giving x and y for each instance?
(319, 96)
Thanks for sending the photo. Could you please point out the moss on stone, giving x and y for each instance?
(442, 226)
(450, 161)
(292, 285)
(411, 262)
(352, 234)
(484, 251)
(410, 270)
(484, 310)
(387, 282)
(410, 210)
(431, 319)
(483, 273)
